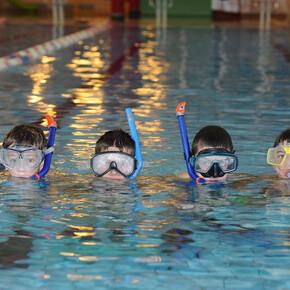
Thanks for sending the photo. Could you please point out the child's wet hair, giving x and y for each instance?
(117, 138)
(26, 135)
(212, 137)
(282, 137)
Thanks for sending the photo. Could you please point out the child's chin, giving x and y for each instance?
(22, 176)
(114, 177)
(217, 179)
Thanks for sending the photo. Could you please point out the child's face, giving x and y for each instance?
(114, 174)
(24, 166)
(284, 169)
(201, 148)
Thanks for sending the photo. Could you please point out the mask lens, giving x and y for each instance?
(277, 155)
(226, 162)
(31, 157)
(9, 157)
(104, 162)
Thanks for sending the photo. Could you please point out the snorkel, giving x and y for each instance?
(52, 125)
(134, 135)
(180, 111)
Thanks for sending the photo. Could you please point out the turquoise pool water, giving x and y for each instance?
(73, 230)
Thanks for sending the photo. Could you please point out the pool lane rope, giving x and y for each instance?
(26, 55)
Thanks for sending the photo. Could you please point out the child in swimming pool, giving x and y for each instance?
(212, 154)
(23, 150)
(114, 156)
(279, 155)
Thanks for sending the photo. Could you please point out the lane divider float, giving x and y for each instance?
(26, 55)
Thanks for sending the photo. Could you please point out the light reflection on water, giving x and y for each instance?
(78, 231)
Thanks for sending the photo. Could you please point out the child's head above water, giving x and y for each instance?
(279, 155)
(23, 151)
(114, 155)
(212, 151)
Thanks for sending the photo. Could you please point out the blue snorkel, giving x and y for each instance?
(134, 135)
(51, 124)
(180, 111)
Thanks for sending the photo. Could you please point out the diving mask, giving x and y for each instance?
(32, 157)
(278, 155)
(214, 162)
(123, 163)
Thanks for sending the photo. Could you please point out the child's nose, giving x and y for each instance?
(21, 166)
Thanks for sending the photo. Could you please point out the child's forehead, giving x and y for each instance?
(201, 147)
(21, 146)
(114, 148)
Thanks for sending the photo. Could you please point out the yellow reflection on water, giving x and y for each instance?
(89, 243)
(152, 68)
(34, 99)
(68, 254)
(80, 215)
(84, 234)
(81, 228)
(40, 73)
(47, 59)
(89, 258)
(148, 246)
(88, 65)
(59, 222)
(84, 277)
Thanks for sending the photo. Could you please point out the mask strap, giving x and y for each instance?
(49, 150)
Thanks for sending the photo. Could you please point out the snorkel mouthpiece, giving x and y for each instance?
(52, 125)
(180, 111)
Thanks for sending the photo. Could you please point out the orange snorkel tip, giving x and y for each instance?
(180, 109)
(50, 121)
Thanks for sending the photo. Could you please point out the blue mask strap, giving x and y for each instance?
(134, 135)
(47, 160)
(180, 110)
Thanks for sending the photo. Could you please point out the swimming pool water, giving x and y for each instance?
(73, 231)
